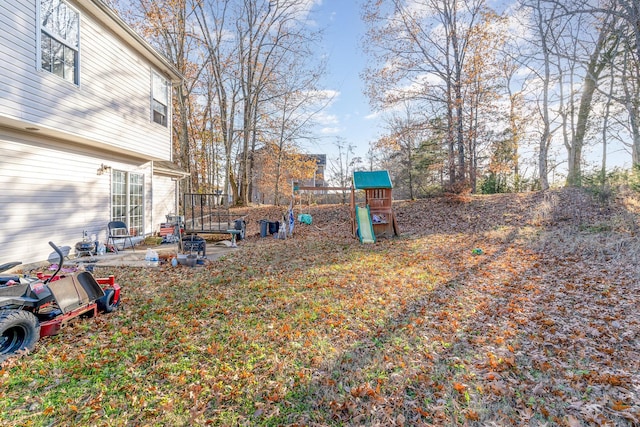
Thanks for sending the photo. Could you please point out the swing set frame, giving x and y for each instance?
(352, 199)
(378, 196)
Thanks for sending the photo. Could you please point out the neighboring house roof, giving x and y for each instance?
(364, 180)
(111, 20)
(170, 169)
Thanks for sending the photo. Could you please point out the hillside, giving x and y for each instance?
(559, 272)
(540, 328)
(568, 221)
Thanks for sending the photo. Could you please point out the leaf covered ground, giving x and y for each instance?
(540, 328)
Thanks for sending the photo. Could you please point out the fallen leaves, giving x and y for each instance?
(541, 327)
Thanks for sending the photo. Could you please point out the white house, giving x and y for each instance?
(85, 127)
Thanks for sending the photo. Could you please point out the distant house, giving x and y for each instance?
(263, 179)
(318, 177)
(85, 127)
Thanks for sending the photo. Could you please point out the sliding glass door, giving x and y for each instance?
(127, 200)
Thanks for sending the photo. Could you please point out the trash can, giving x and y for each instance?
(264, 225)
(273, 227)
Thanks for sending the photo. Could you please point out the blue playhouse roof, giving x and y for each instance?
(364, 180)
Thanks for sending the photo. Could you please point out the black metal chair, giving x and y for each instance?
(118, 230)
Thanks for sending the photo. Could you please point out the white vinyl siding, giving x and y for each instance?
(110, 106)
(164, 199)
(52, 191)
(53, 184)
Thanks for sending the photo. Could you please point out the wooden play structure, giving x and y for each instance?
(378, 198)
(375, 218)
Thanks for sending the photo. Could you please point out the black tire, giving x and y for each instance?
(19, 331)
(106, 304)
(242, 226)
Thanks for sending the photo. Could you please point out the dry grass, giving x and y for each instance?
(542, 328)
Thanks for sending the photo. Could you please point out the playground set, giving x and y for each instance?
(375, 217)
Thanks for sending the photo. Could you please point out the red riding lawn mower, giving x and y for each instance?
(34, 307)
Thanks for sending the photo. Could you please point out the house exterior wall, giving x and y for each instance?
(51, 188)
(164, 196)
(112, 104)
(51, 191)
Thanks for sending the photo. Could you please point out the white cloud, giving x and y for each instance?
(324, 95)
(418, 9)
(326, 119)
(330, 130)
(319, 102)
(302, 8)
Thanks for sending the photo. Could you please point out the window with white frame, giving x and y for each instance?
(127, 200)
(159, 99)
(59, 39)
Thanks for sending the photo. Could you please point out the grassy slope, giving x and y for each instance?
(542, 328)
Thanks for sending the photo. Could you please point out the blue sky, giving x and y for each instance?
(346, 116)
(349, 116)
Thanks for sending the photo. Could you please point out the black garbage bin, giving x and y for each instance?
(273, 227)
(268, 227)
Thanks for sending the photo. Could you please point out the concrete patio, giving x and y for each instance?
(135, 257)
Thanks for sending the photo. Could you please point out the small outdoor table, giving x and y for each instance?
(233, 233)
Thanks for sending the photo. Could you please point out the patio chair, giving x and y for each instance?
(118, 230)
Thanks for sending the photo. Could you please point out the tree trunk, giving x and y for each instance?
(594, 68)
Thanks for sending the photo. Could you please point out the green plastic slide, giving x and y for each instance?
(365, 228)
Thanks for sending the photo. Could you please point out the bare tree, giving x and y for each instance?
(483, 90)
(248, 43)
(420, 50)
(583, 45)
(342, 166)
(542, 18)
(166, 23)
(627, 67)
(292, 105)
(405, 134)
(505, 157)
(267, 33)
(222, 83)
